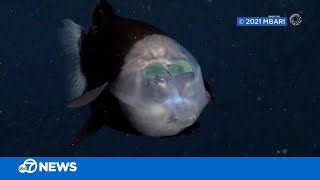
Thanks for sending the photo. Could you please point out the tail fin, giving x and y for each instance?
(102, 14)
(70, 36)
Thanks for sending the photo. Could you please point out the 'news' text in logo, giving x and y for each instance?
(30, 166)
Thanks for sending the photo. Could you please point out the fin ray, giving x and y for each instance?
(70, 36)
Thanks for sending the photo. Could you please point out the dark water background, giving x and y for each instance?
(266, 80)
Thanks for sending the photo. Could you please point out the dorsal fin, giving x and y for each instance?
(102, 14)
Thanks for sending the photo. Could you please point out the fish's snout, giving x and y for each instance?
(183, 113)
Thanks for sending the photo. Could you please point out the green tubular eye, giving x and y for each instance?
(180, 67)
(155, 69)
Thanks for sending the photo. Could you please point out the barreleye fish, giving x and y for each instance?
(134, 77)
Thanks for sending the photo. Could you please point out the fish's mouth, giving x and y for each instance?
(183, 121)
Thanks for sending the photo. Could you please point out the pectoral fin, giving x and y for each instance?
(87, 97)
(93, 124)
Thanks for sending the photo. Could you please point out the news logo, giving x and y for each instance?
(30, 166)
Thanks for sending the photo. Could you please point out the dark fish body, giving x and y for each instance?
(117, 49)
